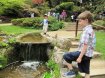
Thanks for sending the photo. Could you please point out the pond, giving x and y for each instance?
(23, 70)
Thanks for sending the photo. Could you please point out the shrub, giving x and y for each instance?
(36, 23)
(54, 70)
(17, 21)
(56, 26)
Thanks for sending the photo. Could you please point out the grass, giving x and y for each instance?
(100, 42)
(16, 29)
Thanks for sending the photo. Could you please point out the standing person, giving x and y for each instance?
(72, 18)
(32, 15)
(64, 15)
(57, 15)
(49, 14)
(45, 24)
(85, 49)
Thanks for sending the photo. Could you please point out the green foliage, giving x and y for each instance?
(94, 5)
(36, 23)
(17, 21)
(3, 44)
(76, 8)
(99, 5)
(3, 61)
(47, 75)
(11, 40)
(54, 70)
(56, 26)
(11, 7)
(51, 64)
(78, 76)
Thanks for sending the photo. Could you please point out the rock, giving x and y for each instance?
(64, 43)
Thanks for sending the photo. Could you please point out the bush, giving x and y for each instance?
(36, 23)
(56, 26)
(17, 21)
(11, 7)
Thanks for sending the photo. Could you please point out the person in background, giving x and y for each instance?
(49, 14)
(57, 16)
(63, 15)
(32, 15)
(85, 49)
(72, 18)
(45, 24)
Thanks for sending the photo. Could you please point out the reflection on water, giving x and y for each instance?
(24, 70)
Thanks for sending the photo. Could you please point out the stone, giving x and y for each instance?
(64, 43)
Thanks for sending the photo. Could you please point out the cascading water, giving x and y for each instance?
(30, 50)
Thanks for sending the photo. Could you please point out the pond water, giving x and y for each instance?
(23, 70)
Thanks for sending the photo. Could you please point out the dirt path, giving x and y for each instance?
(5, 24)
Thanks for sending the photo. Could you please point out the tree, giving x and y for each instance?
(11, 7)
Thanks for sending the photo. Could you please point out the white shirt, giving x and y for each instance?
(45, 22)
(87, 37)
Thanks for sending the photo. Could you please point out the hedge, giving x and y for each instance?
(36, 23)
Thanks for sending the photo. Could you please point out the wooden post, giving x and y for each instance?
(76, 28)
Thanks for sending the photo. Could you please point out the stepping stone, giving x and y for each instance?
(72, 49)
(74, 44)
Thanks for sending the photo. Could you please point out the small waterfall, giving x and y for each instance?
(28, 52)
(31, 48)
